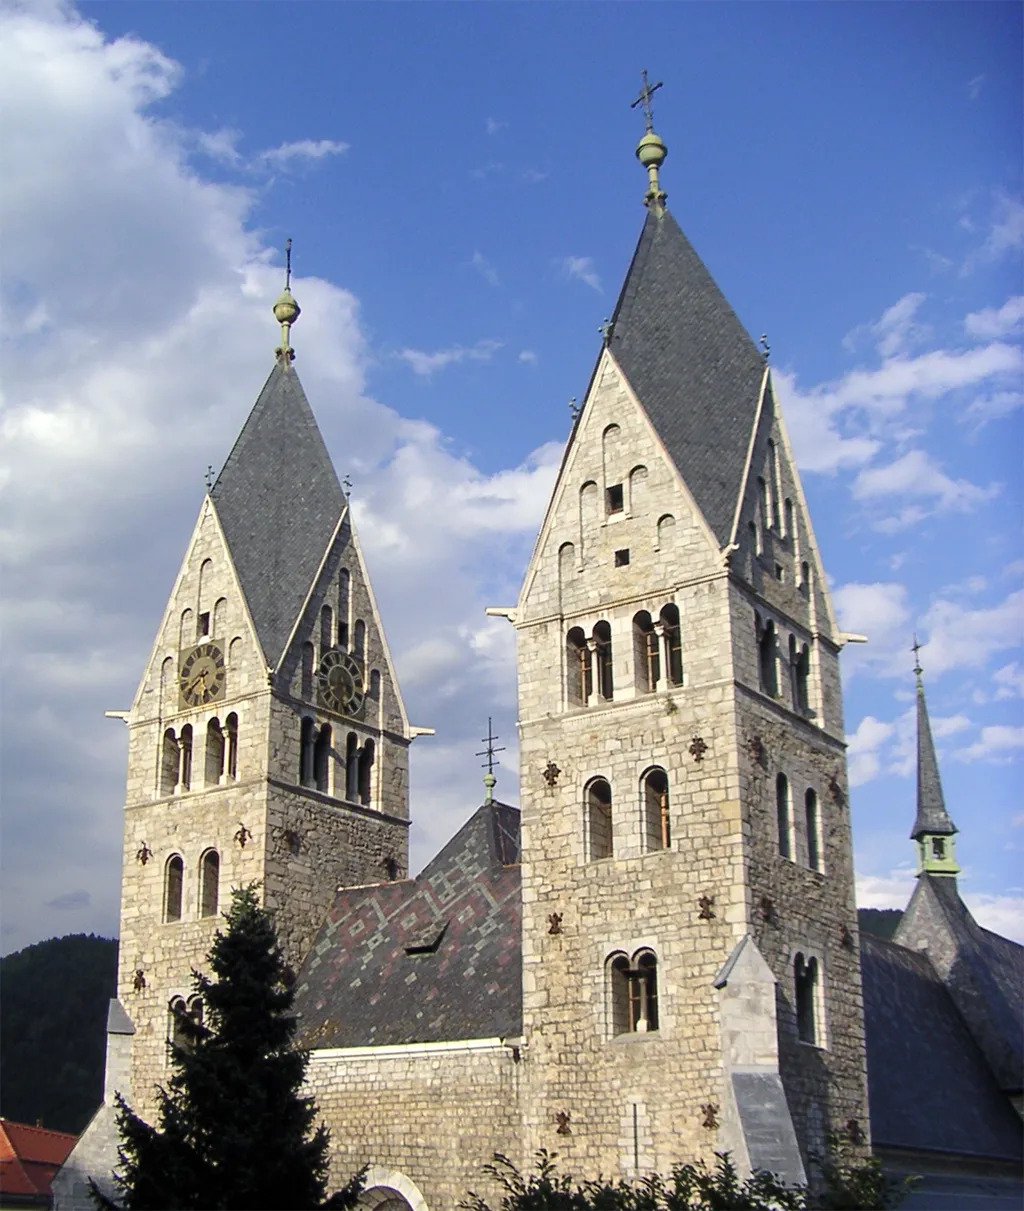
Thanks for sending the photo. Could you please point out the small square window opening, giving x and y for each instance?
(780, 572)
(614, 498)
(204, 624)
(622, 558)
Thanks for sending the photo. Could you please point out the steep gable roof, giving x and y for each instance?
(691, 364)
(983, 972)
(29, 1159)
(929, 1087)
(429, 959)
(278, 500)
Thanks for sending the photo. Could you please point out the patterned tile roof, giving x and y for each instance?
(278, 499)
(929, 1085)
(692, 365)
(429, 959)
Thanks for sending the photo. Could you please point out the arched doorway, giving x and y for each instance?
(390, 1190)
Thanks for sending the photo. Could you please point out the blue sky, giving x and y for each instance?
(460, 185)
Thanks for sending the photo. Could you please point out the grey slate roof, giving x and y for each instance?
(929, 1086)
(691, 364)
(460, 918)
(932, 816)
(278, 500)
(983, 972)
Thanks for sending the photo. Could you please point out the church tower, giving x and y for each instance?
(268, 740)
(690, 959)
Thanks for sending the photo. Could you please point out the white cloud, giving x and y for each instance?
(582, 268)
(221, 145)
(1003, 914)
(974, 86)
(528, 356)
(1010, 680)
(992, 407)
(880, 611)
(302, 150)
(897, 329)
(892, 890)
(863, 749)
(429, 363)
(997, 743)
(961, 638)
(993, 323)
(484, 267)
(915, 474)
(492, 126)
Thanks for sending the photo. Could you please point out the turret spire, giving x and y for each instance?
(286, 309)
(933, 829)
(651, 150)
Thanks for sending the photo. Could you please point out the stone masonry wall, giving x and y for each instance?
(435, 1112)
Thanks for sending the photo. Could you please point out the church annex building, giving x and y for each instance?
(656, 955)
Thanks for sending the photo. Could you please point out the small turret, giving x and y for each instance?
(933, 829)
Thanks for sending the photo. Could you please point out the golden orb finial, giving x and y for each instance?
(286, 309)
(651, 150)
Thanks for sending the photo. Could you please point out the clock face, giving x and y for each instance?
(340, 682)
(202, 675)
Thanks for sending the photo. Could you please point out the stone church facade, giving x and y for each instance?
(656, 956)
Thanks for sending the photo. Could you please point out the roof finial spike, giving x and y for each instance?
(651, 150)
(489, 752)
(286, 310)
(916, 649)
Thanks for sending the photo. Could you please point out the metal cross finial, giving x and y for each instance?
(490, 750)
(644, 99)
(766, 349)
(288, 263)
(916, 649)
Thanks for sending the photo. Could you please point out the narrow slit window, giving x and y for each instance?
(813, 820)
(322, 759)
(603, 660)
(806, 980)
(231, 735)
(204, 624)
(185, 776)
(352, 767)
(673, 640)
(307, 742)
(646, 656)
(366, 774)
(578, 667)
(784, 816)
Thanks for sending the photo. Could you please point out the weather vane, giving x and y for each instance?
(644, 99)
(491, 762)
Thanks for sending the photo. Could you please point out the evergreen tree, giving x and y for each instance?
(234, 1132)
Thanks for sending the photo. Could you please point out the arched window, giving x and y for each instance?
(352, 767)
(177, 1030)
(209, 883)
(801, 679)
(374, 690)
(637, 482)
(366, 773)
(766, 663)
(787, 513)
(813, 819)
(343, 596)
(654, 802)
(614, 496)
(326, 629)
(220, 607)
(306, 681)
(784, 816)
(588, 514)
(566, 567)
(187, 634)
(214, 753)
(306, 744)
(763, 505)
(168, 687)
(633, 989)
(579, 671)
(174, 873)
(195, 1010)
(805, 978)
(322, 759)
(646, 657)
(185, 744)
(169, 762)
(231, 735)
(235, 653)
(603, 660)
(805, 576)
(773, 470)
(673, 643)
(359, 647)
(666, 529)
(599, 820)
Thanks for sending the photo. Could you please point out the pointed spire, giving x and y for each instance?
(933, 829)
(286, 310)
(651, 150)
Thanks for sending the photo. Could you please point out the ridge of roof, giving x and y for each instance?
(278, 501)
(692, 365)
(932, 816)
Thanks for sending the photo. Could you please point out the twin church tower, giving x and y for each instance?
(681, 932)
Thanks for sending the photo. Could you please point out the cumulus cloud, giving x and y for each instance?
(993, 323)
(963, 638)
(863, 751)
(898, 327)
(1009, 681)
(915, 474)
(425, 364)
(997, 743)
(484, 267)
(582, 269)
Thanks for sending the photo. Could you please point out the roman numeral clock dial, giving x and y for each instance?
(340, 682)
(202, 675)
